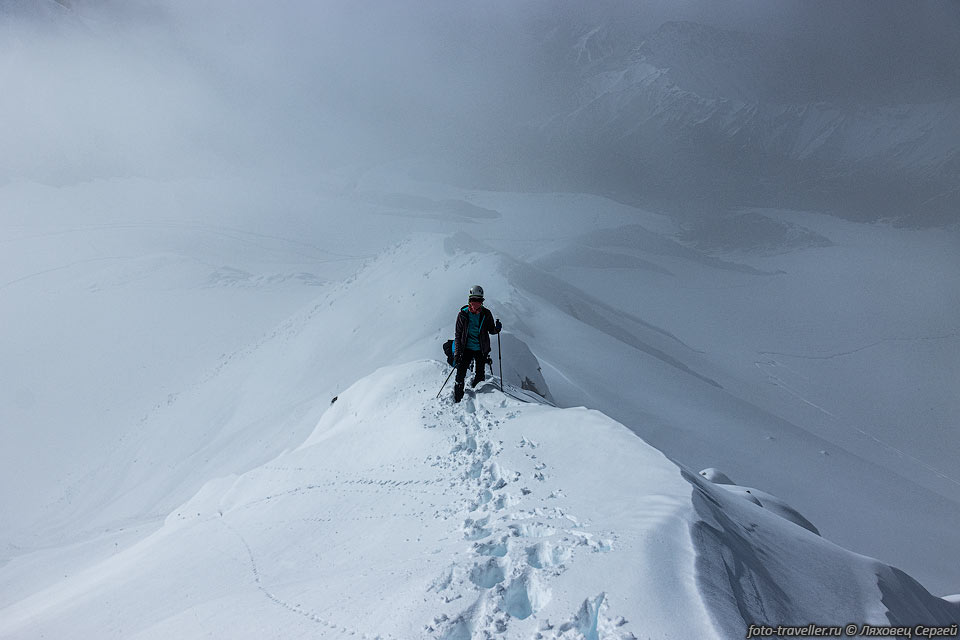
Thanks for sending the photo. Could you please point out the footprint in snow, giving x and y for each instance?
(496, 548)
(532, 530)
(476, 529)
(546, 555)
(488, 574)
(484, 498)
(525, 595)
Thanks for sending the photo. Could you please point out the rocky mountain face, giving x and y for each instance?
(718, 118)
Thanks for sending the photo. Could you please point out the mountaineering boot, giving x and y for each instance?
(458, 392)
(477, 379)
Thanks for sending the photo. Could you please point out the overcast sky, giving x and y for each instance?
(176, 87)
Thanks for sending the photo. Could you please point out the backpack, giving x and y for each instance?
(449, 347)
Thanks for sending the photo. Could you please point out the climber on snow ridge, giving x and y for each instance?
(475, 323)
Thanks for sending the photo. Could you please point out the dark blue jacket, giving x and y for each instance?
(487, 326)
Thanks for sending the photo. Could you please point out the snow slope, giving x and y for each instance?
(752, 358)
(403, 516)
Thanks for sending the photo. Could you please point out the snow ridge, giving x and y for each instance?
(405, 515)
(515, 550)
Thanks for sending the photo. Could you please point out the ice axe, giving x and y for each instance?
(445, 381)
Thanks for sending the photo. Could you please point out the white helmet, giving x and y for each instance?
(476, 291)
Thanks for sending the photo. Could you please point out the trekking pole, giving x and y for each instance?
(500, 358)
(445, 381)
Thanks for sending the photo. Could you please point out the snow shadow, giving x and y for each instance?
(754, 567)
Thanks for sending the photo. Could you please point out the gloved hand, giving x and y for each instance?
(499, 326)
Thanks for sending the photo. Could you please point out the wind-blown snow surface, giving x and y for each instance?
(404, 516)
